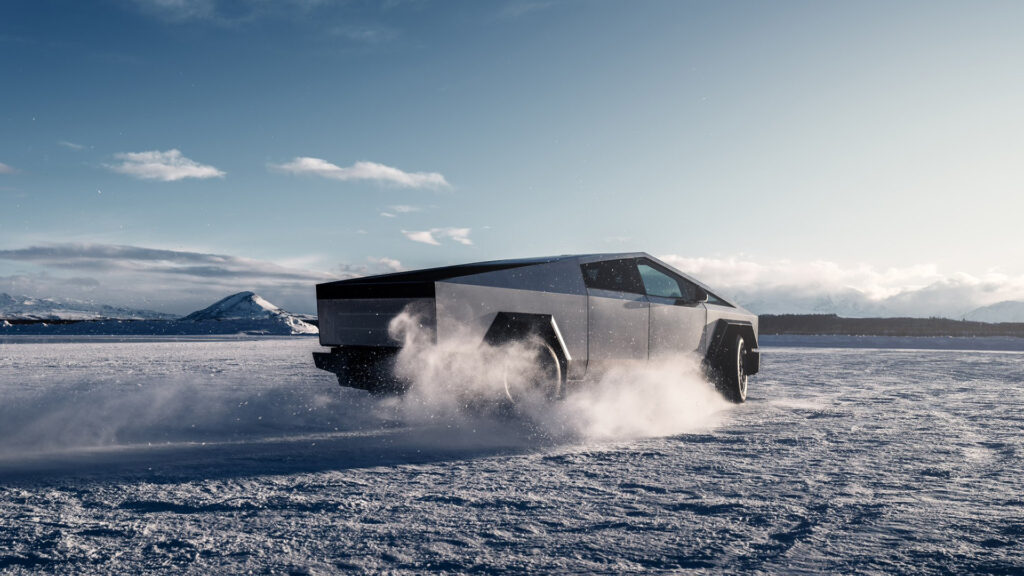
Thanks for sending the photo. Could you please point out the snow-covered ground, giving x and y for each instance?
(235, 455)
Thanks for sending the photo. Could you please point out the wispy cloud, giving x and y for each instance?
(5, 169)
(434, 235)
(404, 208)
(371, 35)
(179, 10)
(362, 171)
(785, 286)
(171, 280)
(372, 266)
(226, 12)
(167, 166)
(394, 211)
(70, 145)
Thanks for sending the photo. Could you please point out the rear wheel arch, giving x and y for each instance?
(521, 327)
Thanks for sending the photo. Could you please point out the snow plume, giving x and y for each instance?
(462, 382)
(98, 414)
(57, 398)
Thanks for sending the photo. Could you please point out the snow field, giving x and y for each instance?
(842, 461)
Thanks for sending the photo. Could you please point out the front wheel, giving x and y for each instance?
(732, 378)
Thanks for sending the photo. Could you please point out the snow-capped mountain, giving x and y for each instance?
(51, 309)
(1007, 311)
(242, 313)
(241, 306)
(250, 309)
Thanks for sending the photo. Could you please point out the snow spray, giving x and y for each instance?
(462, 379)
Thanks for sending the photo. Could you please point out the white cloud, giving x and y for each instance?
(165, 280)
(166, 166)
(390, 263)
(394, 211)
(786, 286)
(460, 235)
(5, 169)
(179, 10)
(227, 12)
(366, 34)
(362, 171)
(404, 208)
(70, 145)
(373, 266)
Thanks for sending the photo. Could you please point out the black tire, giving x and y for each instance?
(732, 378)
(546, 379)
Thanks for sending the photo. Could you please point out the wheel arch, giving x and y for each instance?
(520, 326)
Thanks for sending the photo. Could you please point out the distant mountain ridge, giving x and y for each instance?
(1006, 311)
(241, 313)
(831, 324)
(25, 308)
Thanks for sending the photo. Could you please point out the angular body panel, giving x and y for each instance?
(619, 329)
(676, 328)
(466, 312)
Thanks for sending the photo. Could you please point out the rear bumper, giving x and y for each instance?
(366, 368)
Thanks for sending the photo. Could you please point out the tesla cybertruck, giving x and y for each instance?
(580, 314)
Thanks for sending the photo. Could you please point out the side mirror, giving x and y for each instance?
(701, 295)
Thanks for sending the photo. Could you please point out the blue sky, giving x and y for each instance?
(165, 151)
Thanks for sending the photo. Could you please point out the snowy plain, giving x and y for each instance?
(235, 455)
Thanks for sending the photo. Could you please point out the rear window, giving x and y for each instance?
(617, 275)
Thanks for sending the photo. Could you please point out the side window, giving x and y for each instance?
(657, 283)
(617, 275)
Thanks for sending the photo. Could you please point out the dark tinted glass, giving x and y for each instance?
(659, 283)
(617, 275)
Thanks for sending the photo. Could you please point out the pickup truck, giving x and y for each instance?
(581, 314)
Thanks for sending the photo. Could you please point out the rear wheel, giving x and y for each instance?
(732, 378)
(543, 380)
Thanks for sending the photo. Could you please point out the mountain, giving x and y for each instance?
(249, 309)
(242, 313)
(25, 308)
(1007, 311)
(241, 306)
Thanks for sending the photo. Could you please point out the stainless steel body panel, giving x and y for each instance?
(618, 330)
(717, 312)
(676, 328)
(466, 311)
